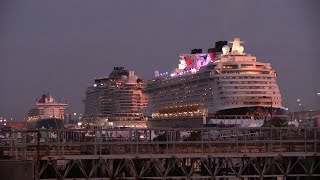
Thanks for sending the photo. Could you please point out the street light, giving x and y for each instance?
(300, 108)
(270, 105)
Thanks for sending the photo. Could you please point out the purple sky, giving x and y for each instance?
(61, 46)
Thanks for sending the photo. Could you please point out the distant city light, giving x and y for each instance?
(74, 114)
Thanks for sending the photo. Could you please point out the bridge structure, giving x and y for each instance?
(206, 153)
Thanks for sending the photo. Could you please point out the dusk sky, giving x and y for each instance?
(60, 46)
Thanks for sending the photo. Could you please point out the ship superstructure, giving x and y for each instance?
(223, 82)
(116, 100)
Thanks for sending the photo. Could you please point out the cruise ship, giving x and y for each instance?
(223, 84)
(48, 113)
(116, 100)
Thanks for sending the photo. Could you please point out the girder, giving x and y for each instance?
(191, 168)
(246, 153)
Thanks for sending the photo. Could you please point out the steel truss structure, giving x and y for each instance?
(207, 153)
(182, 166)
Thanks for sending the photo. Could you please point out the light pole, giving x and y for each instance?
(300, 108)
(270, 105)
(318, 94)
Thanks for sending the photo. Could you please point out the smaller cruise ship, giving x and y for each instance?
(116, 100)
(48, 113)
(224, 83)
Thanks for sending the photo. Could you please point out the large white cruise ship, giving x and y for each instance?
(224, 83)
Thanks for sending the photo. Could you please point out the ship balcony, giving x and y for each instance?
(246, 78)
(274, 85)
(243, 75)
(253, 68)
(248, 91)
(255, 100)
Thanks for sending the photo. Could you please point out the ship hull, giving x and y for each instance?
(252, 111)
(175, 123)
(261, 113)
(50, 123)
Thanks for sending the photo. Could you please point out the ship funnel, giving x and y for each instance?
(219, 45)
(196, 51)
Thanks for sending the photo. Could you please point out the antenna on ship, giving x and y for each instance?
(236, 46)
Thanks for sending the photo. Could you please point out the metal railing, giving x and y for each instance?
(43, 143)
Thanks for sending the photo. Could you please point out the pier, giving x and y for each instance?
(205, 153)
